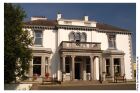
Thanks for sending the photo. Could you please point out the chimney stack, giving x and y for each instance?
(58, 16)
(86, 18)
(38, 18)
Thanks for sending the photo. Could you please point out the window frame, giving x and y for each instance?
(108, 65)
(111, 41)
(117, 66)
(37, 64)
(38, 45)
(67, 64)
(83, 37)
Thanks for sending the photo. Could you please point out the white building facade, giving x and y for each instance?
(70, 49)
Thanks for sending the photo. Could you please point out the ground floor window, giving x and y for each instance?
(117, 67)
(67, 64)
(87, 65)
(37, 66)
(107, 67)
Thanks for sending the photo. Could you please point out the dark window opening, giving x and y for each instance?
(37, 65)
(88, 65)
(107, 67)
(67, 65)
(37, 60)
(37, 69)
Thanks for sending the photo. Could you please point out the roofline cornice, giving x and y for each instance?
(39, 27)
(71, 27)
(114, 31)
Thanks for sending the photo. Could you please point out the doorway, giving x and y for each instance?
(77, 71)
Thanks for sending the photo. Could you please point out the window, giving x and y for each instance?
(83, 37)
(38, 38)
(77, 37)
(87, 65)
(37, 65)
(72, 36)
(117, 66)
(67, 67)
(107, 67)
(112, 41)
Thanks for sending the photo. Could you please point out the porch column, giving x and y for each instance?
(112, 68)
(49, 66)
(104, 69)
(73, 68)
(84, 70)
(91, 66)
(64, 63)
(63, 69)
(43, 66)
(122, 66)
(94, 69)
(100, 68)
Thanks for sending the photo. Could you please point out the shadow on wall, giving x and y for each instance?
(54, 63)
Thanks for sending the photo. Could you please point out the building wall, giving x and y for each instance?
(123, 44)
(50, 41)
(64, 35)
(102, 38)
(53, 38)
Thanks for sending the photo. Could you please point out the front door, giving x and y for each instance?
(77, 70)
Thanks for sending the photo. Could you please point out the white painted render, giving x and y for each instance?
(53, 38)
(123, 44)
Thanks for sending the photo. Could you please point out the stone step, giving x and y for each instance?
(81, 82)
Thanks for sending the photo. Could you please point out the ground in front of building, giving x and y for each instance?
(86, 86)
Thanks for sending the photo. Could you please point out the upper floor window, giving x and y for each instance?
(77, 37)
(112, 41)
(38, 37)
(83, 37)
(72, 36)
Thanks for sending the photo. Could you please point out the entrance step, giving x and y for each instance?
(81, 82)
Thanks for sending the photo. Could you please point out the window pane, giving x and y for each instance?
(37, 60)
(78, 36)
(67, 68)
(38, 33)
(116, 61)
(107, 62)
(83, 37)
(37, 69)
(38, 41)
(111, 41)
(87, 68)
(107, 70)
(71, 37)
(117, 69)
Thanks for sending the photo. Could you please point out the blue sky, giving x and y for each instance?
(118, 14)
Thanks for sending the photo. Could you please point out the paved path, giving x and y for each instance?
(118, 86)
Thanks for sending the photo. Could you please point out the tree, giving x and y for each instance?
(17, 53)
